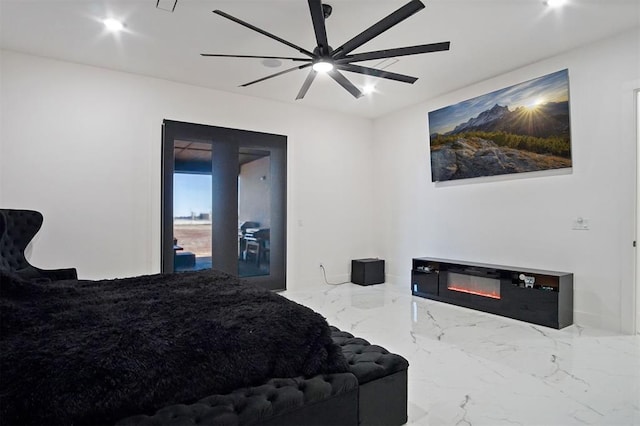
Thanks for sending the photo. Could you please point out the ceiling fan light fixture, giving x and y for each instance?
(322, 66)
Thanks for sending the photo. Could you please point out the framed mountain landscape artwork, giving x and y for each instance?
(521, 128)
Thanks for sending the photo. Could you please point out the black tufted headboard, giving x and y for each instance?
(17, 229)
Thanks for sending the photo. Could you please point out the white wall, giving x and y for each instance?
(526, 220)
(82, 145)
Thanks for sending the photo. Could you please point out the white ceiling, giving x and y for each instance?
(488, 37)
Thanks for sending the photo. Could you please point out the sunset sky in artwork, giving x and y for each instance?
(529, 94)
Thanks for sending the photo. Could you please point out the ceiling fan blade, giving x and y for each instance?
(220, 55)
(342, 81)
(263, 32)
(317, 17)
(377, 73)
(307, 84)
(275, 75)
(393, 53)
(378, 28)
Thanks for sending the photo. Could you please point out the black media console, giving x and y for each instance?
(539, 297)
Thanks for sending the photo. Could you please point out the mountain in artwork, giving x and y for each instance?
(544, 120)
(503, 141)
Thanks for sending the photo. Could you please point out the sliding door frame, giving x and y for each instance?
(226, 143)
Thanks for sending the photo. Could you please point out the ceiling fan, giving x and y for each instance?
(324, 58)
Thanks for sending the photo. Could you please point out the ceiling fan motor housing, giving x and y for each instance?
(322, 52)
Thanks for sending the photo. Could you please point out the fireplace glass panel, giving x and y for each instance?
(481, 286)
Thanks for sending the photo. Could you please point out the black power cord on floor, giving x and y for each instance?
(324, 274)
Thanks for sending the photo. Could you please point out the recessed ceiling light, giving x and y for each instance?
(271, 63)
(113, 24)
(555, 3)
(323, 66)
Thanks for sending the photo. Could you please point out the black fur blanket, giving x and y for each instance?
(93, 352)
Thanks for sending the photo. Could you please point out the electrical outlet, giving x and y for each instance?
(580, 224)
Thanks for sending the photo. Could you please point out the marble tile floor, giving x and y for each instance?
(471, 368)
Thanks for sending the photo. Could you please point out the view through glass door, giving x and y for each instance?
(192, 206)
(192, 209)
(224, 202)
(254, 212)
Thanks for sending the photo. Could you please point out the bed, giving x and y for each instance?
(186, 348)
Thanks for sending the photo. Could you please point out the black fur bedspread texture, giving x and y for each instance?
(93, 352)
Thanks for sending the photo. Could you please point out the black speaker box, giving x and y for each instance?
(367, 271)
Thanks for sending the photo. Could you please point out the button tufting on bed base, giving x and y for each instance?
(252, 405)
(376, 387)
(368, 362)
(382, 380)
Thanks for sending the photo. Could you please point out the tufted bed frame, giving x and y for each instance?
(373, 392)
(369, 386)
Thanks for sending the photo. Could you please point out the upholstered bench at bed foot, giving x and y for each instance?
(382, 378)
(330, 399)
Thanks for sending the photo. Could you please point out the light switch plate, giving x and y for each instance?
(580, 224)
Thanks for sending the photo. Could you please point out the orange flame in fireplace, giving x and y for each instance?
(492, 295)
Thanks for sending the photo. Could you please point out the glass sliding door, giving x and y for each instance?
(192, 182)
(224, 202)
(254, 212)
